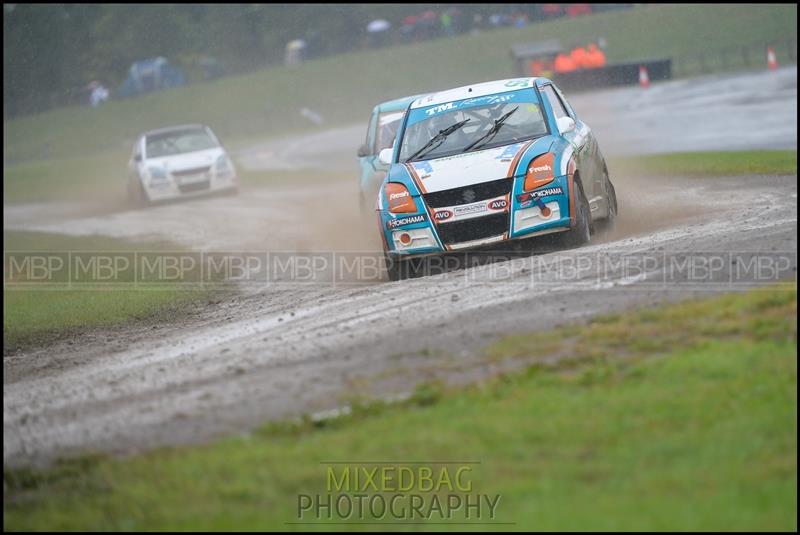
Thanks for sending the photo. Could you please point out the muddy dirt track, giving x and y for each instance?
(277, 350)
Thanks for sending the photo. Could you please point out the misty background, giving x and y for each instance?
(51, 52)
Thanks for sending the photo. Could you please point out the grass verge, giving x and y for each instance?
(754, 162)
(702, 438)
(35, 315)
(99, 178)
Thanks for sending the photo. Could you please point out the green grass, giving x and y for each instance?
(345, 87)
(36, 315)
(96, 177)
(704, 437)
(754, 162)
(99, 180)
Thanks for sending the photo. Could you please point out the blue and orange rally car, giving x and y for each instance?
(486, 163)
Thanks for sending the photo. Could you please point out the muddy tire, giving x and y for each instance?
(582, 232)
(137, 197)
(607, 223)
(404, 269)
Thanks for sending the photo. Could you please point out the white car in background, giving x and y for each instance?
(179, 161)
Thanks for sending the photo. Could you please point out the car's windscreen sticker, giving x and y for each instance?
(420, 114)
(423, 168)
(508, 154)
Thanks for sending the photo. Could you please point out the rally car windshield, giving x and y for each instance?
(171, 143)
(388, 123)
(472, 124)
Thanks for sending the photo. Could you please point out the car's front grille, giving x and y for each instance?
(192, 171)
(194, 186)
(476, 228)
(469, 194)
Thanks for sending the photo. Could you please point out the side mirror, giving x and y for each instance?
(363, 151)
(385, 156)
(565, 124)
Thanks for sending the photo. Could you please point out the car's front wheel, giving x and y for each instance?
(607, 223)
(404, 269)
(137, 197)
(582, 231)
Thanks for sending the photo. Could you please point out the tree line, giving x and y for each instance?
(51, 52)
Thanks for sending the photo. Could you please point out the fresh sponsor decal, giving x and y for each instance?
(401, 195)
(410, 220)
(538, 194)
(542, 168)
(497, 204)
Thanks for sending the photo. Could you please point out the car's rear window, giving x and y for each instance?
(178, 142)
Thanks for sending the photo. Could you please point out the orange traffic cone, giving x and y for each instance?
(644, 79)
(772, 61)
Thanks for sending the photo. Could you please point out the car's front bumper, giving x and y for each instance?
(173, 188)
(514, 216)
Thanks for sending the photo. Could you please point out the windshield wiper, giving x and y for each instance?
(438, 139)
(498, 124)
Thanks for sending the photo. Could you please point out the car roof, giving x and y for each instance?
(398, 104)
(176, 128)
(476, 90)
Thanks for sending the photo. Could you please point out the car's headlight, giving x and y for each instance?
(223, 164)
(540, 171)
(158, 173)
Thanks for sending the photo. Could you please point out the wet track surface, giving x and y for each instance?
(286, 349)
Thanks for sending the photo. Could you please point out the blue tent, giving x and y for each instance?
(151, 75)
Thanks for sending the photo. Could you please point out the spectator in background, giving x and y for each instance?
(551, 11)
(408, 28)
(295, 52)
(457, 18)
(378, 30)
(428, 24)
(447, 23)
(578, 56)
(576, 10)
(595, 57)
(564, 63)
(477, 22)
(541, 67)
(98, 94)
